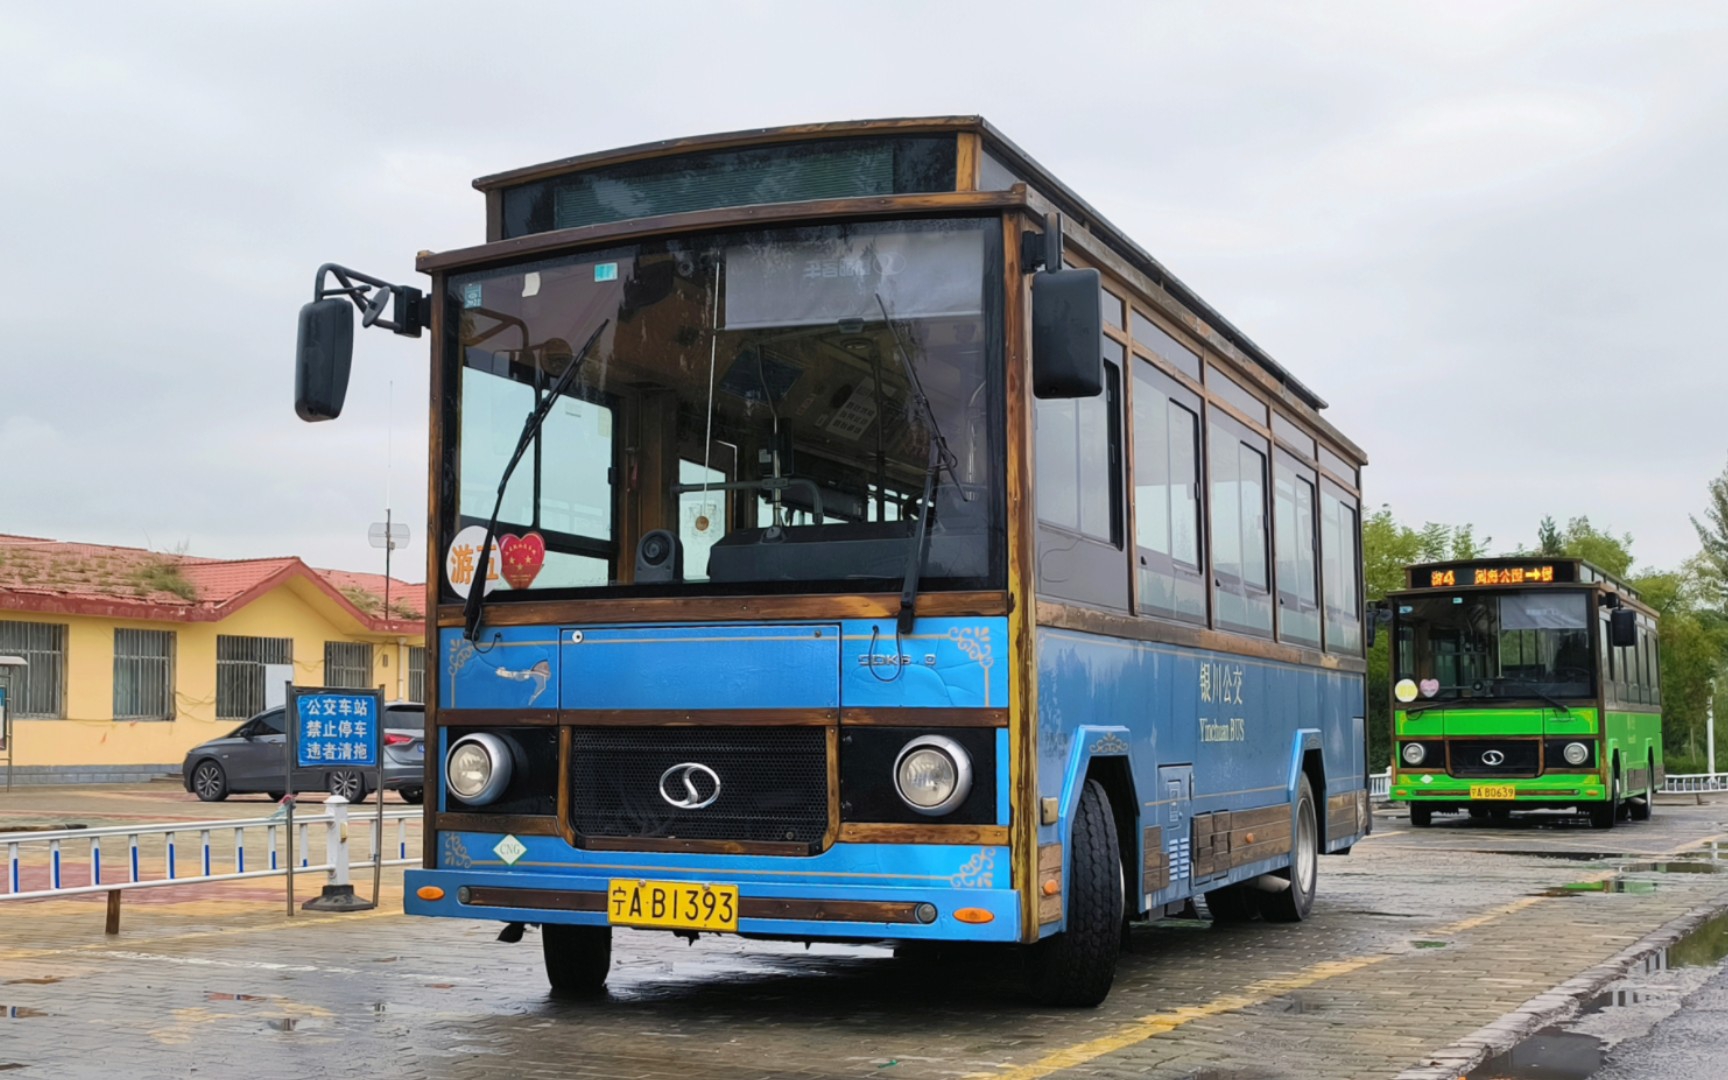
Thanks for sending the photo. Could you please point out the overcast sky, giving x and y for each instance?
(1492, 235)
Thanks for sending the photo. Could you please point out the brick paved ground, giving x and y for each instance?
(1419, 939)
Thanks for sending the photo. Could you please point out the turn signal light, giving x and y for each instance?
(429, 892)
(974, 915)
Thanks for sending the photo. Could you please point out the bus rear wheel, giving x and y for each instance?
(1605, 813)
(1421, 816)
(1303, 873)
(1232, 904)
(578, 958)
(1641, 810)
(1077, 966)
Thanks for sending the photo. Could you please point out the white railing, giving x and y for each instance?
(211, 856)
(1379, 785)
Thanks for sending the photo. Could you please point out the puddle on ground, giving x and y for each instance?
(1557, 1054)
(213, 996)
(19, 1012)
(287, 1023)
(42, 980)
(1609, 885)
(1429, 944)
(1673, 866)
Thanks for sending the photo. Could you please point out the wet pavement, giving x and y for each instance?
(1419, 938)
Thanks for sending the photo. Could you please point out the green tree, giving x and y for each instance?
(1548, 541)
(1693, 638)
(1714, 536)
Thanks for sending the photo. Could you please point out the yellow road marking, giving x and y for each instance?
(1147, 1027)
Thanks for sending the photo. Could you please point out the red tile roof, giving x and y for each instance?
(60, 577)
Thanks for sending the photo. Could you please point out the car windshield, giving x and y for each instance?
(405, 719)
(1487, 645)
(746, 420)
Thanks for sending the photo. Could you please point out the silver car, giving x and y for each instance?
(252, 759)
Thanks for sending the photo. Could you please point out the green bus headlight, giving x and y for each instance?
(1576, 753)
(1414, 753)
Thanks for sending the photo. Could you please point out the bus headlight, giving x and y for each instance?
(1576, 753)
(933, 774)
(1414, 753)
(478, 768)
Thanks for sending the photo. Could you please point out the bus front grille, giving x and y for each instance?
(1488, 758)
(739, 784)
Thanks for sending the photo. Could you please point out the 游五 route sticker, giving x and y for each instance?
(510, 849)
(471, 293)
(462, 562)
(1405, 691)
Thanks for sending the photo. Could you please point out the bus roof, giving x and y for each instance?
(1041, 180)
(1511, 570)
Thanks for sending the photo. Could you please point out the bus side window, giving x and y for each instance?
(1167, 552)
(1340, 570)
(1237, 486)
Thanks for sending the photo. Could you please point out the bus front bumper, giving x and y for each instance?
(1554, 789)
(767, 908)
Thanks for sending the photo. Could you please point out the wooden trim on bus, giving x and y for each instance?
(670, 845)
(727, 217)
(802, 607)
(831, 745)
(434, 573)
(967, 152)
(699, 717)
(923, 125)
(500, 718)
(859, 832)
(1022, 582)
(1057, 615)
(924, 718)
(749, 907)
(518, 824)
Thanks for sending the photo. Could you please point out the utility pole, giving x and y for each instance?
(1710, 729)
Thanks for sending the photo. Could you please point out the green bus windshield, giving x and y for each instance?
(1495, 645)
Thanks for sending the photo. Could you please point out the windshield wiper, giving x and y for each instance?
(536, 417)
(940, 458)
(1549, 700)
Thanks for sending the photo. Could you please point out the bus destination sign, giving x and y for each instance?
(1528, 574)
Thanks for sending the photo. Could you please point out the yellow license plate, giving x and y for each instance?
(676, 905)
(1493, 791)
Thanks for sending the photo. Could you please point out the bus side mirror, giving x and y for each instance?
(1067, 334)
(326, 352)
(1623, 628)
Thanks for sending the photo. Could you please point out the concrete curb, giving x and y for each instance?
(1552, 1006)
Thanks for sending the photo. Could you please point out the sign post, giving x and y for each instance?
(342, 728)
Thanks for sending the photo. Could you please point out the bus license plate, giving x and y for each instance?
(1493, 791)
(676, 905)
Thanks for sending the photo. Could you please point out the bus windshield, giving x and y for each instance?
(753, 395)
(1491, 644)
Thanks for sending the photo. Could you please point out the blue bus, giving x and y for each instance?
(843, 532)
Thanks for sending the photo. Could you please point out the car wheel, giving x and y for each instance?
(348, 783)
(412, 795)
(1077, 966)
(577, 957)
(209, 782)
(1294, 904)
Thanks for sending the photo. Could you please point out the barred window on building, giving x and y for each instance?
(348, 664)
(143, 675)
(240, 672)
(416, 673)
(38, 691)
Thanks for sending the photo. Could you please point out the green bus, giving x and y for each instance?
(1524, 684)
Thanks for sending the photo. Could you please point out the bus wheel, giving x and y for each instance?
(1077, 966)
(1232, 904)
(1641, 811)
(1421, 816)
(1603, 814)
(1294, 903)
(577, 957)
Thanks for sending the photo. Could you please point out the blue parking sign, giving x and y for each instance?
(336, 727)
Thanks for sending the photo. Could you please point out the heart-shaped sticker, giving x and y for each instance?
(1429, 687)
(523, 557)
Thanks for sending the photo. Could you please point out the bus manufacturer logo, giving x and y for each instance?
(690, 785)
(1491, 758)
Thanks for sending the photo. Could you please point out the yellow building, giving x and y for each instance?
(136, 656)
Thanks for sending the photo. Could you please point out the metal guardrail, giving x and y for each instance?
(1380, 784)
(38, 850)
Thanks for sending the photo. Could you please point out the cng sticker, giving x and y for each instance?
(510, 849)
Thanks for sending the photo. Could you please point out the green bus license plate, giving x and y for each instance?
(1493, 791)
(673, 905)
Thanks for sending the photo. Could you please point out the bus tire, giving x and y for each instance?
(1641, 811)
(1605, 813)
(578, 958)
(1293, 904)
(1421, 816)
(1077, 966)
(1232, 904)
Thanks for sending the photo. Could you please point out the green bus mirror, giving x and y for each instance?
(1623, 628)
(1067, 334)
(325, 354)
